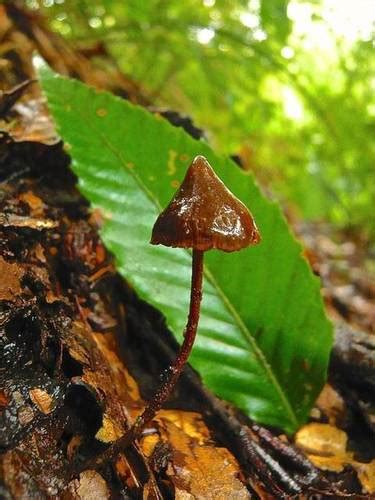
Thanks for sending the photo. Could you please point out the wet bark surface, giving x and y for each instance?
(80, 353)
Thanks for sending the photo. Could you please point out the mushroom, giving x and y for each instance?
(203, 215)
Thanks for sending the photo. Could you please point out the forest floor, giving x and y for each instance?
(80, 353)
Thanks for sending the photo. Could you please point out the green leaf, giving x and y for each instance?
(275, 19)
(263, 340)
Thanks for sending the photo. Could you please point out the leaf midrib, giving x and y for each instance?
(227, 302)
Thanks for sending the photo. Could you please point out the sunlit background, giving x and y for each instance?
(288, 86)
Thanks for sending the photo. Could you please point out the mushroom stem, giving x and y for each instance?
(173, 373)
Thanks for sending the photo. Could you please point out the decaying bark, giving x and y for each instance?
(78, 348)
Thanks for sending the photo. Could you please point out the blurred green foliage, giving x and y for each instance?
(299, 112)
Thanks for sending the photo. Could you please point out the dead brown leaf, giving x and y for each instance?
(321, 439)
(326, 447)
(11, 287)
(42, 400)
(109, 431)
(89, 486)
(198, 469)
(366, 475)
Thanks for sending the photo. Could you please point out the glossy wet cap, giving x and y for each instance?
(204, 214)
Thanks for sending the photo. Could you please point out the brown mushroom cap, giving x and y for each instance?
(204, 214)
